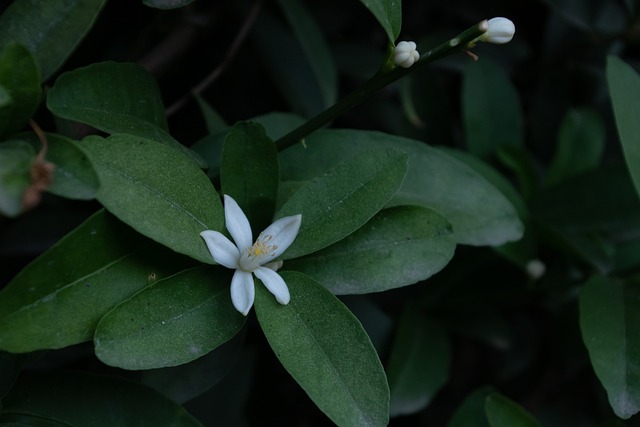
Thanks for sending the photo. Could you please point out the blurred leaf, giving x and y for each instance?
(471, 412)
(250, 172)
(166, 4)
(73, 176)
(5, 98)
(503, 412)
(389, 15)
(212, 119)
(580, 145)
(10, 365)
(185, 382)
(314, 47)
(210, 149)
(324, 348)
(288, 66)
(491, 109)
(343, 199)
(520, 161)
(377, 323)
(624, 85)
(610, 320)
(53, 33)
(15, 167)
(81, 399)
(165, 196)
(398, 247)
(115, 98)
(57, 300)
(20, 79)
(279, 124)
(419, 363)
(174, 321)
(606, 17)
(478, 212)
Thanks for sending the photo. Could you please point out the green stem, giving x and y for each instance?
(381, 79)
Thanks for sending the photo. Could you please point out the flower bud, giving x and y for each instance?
(405, 54)
(499, 31)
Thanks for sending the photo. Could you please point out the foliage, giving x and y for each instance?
(469, 250)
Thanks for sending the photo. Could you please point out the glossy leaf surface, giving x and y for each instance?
(389, 15)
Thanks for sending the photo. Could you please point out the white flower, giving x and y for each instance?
(247, 257)
(405, 54)
(499, 31)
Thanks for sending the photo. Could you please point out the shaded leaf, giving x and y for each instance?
(343, 199)
(324, 348)
(624, 85)
(389, 15)
(503, 412)
(279, 124)
(399, 246)
(165, 196)
(58, 299)
(20, 79)
(173, 321)
(53, 33)
(471, 413)
(166, 4)
(15, 166)
(250, 172)
(419, 363)
(610, 320)
(105, 401)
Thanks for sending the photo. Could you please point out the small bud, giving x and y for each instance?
(405, 54)
(499, 31)
(535, 269)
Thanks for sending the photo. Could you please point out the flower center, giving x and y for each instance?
(258, 254)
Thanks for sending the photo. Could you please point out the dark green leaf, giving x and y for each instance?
(81, 399)
(389, 15)
(323, 346)
(478, 212)
(172, 322)
(53, 33)
(279, 124)
(15, 166)
(503, 412)
(314, 47)
(398, 247)
(580, 145)
(610, 320)
(58, 299)
(491, 109)
(250, 172)
(166, 4)
(157, 191)
(10, 365)
(419, 363)
(212, 119)
(471, 412)
(624, 85)
(343, 199)
(20, 79)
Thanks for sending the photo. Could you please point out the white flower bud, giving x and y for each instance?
(535, 269)
(499, 31)
(405, 54)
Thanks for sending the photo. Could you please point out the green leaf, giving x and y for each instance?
(479, 213)
(10, 365)
(81, 399)
(503, 412)
(212, 119)
(53, 33)
(58, 299)
(166, 4)
(73, 175)
(491, 109)
(419, 363)
(389, 15)
(314, 47)
(580, 145)
(15, 167)
(471, 413)
(250, 172)
(157, 191)
(399, 246)
(624, 85)
(173, 321)
(20, 79)
(277, 124)
(610, 320)
(343, 199)
(324, 348)
(115, 98)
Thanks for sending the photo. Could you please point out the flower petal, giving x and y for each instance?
(242, 291)
(237, 224)
(281, 234)
(274, 283)
(222, 250)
